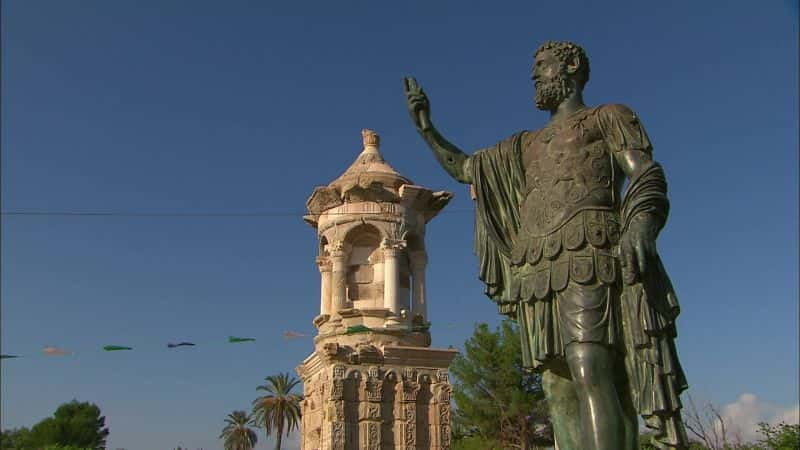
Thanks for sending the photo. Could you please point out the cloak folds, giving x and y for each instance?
(499, 181)
(649, 308)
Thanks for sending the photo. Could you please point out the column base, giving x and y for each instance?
(321, 319)
(395, 323)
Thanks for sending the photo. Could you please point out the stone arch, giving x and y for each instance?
(358, 230)
(423, 377)
(353, 374)
(391, 374)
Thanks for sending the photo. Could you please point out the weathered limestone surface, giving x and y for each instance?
(354, 404)
(372, 381)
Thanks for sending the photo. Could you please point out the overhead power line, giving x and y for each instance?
(91, 214)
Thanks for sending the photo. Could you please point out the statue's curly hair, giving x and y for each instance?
(564, 51)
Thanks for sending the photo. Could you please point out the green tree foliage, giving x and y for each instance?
(75, 425)
(475, 443)
(78, 424)
(646, 442)
(16, 439)
(775, 437)
(780, 437)
(64, 447)
(279, 409)
(237, 435)
(498, 404)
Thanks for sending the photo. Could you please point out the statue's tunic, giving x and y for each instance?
(563, 275)
(549, 217)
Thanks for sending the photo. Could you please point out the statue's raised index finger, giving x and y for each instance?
(411, 85)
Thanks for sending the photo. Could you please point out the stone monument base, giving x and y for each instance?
(376, 398)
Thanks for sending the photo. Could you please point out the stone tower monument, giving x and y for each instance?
(372, 381)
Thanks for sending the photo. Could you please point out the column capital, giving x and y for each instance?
(337, 248)
(324, 263)
(393, 244)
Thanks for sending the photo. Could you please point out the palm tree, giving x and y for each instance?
(279, 409)
(236, 434)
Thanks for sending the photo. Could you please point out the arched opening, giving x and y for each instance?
(424, 401)
(325, 278)
(416, 292)
(364, 267)
(388, 402)
(323, 242)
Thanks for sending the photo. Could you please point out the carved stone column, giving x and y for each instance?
(303, 435)
(324, 264)
(370, 414)
(441, 429)
(419, 261)
(336, 436)
(391, 278)
(407, 406)
(338, 257)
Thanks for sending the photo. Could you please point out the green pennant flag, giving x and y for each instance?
(114, 348)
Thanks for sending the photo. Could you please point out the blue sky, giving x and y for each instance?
(246, 106)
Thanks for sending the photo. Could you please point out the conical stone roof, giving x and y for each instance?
(369, 170)
(371, 179)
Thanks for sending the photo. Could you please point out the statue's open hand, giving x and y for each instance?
(417, 102)
(638, 248)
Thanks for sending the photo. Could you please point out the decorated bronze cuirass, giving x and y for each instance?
(568, 168)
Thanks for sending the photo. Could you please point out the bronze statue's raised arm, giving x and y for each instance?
(450, 157)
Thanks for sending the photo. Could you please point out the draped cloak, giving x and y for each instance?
(648, 307)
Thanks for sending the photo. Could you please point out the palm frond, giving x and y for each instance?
(278, 411)
(237, 435)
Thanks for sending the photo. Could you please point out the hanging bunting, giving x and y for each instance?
(115, 348)
(180, 344)
(289, 335)
(55, 351)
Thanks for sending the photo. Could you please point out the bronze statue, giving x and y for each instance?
(573, 261)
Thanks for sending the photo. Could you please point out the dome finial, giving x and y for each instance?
(372, 140)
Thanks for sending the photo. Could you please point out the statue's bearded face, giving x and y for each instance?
(553, 84)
